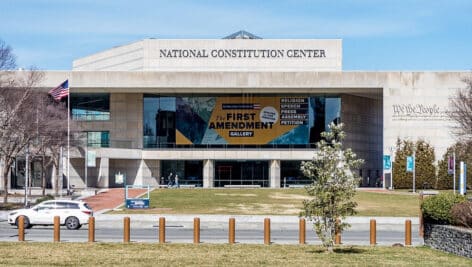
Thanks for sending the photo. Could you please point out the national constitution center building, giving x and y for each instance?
(240, 111)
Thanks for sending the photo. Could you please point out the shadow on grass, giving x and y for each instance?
(343, 250)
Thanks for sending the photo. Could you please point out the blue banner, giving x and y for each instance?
(387, 162)
(410, 164)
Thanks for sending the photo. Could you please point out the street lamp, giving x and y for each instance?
(26, 176)
(392, 150)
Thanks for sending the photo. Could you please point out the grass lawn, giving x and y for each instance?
(267, 201)
(83, 254)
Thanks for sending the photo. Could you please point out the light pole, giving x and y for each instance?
(454, 169)
(26, 175)
(411, 167)
(414, 170)
(392, 149)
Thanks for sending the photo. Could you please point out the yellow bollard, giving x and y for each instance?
(302, 231)
(408, 233)
(162, 230)
(126, 227)
(57, 229)
(231, 232)
(266, 231)
(21, 228)
(373, 232)
(196, 230)
(91, 230)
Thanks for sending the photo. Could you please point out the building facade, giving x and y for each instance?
(241, 112)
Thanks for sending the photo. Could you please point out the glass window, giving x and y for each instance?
(256, 121)
(291, 174)
(241, 173)
(90, 107)
(324, 110)
(98, 139)
(159, 121)
(190, 172)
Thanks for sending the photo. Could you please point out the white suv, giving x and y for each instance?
(73, 214)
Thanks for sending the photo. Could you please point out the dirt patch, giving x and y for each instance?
(262, 208)
(385, 191)
(236, 195)
(288, 196)
(368, 207)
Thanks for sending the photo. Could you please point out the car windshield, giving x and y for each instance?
(87, 206)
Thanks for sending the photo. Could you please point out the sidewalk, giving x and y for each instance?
(110, 199)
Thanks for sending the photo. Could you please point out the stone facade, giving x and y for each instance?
(376, 107)
(448, 238)
(217, 55)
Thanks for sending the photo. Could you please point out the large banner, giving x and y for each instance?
(242, 120)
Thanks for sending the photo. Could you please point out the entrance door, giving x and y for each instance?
(241, 173)
(224, 175)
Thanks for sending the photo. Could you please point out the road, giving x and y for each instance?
(214, 233)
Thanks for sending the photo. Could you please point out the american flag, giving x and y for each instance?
(60, 91)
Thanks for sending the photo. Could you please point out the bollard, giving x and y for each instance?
(231, 231)
(337, 237)
(57, 229)
(126, 226)
(408, 233)
(21, 228)
(91, 230)
(373, 232)
(162, 230)
(302, 231)
(196, 230)
(266, 231)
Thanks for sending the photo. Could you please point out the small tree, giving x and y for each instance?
(444, 180)
(425, 167)
(425, 170)
(463, 151)
(401, 178)
(333, 187)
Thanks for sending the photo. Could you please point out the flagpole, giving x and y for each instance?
(68, 141)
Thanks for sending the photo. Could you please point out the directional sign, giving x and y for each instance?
(387, 162)
(410, 164)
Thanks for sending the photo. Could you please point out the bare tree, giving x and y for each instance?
(17, 97)
(7, 58)
(18, 127)
(52, 136)
(460, 111)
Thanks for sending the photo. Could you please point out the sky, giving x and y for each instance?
(389, 35)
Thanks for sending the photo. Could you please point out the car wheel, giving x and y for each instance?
(26, 222)
(72, 223)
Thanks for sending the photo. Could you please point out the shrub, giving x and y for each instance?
(46, 197)
(437, 209)
(462, 214)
